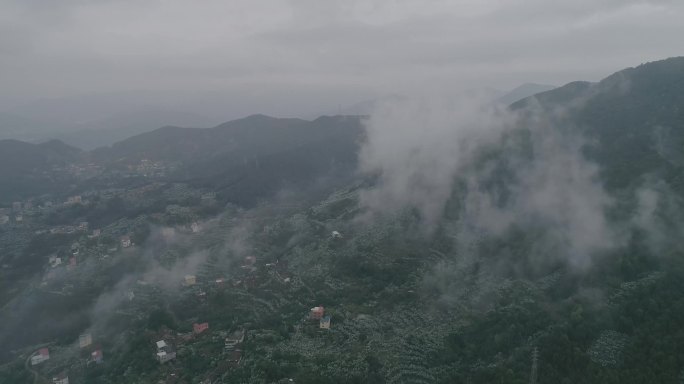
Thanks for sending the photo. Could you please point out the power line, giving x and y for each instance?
(533, 374)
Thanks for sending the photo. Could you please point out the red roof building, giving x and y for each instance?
(199, 328)
(42, 355)
(96, 356)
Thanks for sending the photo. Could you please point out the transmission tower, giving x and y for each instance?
(533, 374)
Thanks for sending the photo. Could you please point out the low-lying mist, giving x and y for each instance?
(481, 175)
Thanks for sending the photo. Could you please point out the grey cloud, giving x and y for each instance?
(658, 216)
(417, 145)
(478, 173)
(423, 152)
(372, 47)
(560, 191)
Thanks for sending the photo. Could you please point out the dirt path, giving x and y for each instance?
(37, 378)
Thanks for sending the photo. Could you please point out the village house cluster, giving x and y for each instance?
(87, 247)
(76, 249)
(149, 168)
(126, 241)
(85, 342)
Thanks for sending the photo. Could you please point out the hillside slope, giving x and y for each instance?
(633, 119)
(249, 158)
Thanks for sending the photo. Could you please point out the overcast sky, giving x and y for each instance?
(322, 52)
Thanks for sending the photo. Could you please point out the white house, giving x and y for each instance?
(126, 241)
(164, 352)
(55, 261)
(190, 280)
(85, 340)
(62, 378)
(42, 356)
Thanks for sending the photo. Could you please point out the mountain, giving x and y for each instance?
(74, 110)
(634, 117)
(256, 135)
(13, 126)
(247, 157)
(19, 157)
(508, 280)
(90, 134)
(32, 168)
(109, 130)
(366, 107)
(523, 91)
(173, 143)
(244, 159)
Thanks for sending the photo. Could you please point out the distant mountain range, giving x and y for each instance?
(95, 133)
(13, 126)
(633, 119)
(635, 115)
(104, 132)
(20, 157)
(28, 168)
(367, 107)
(523, 91)
(243, 159)
(102, 120)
